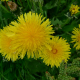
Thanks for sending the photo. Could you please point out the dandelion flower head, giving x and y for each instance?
(5, 43)
(32, 35)
(74, 9)
(60, 51)
(76, 37)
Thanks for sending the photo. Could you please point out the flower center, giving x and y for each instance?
(54, 51)
(73, 8)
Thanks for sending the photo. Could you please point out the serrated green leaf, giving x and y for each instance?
(56, 21)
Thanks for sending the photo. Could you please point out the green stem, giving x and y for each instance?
(3, 77)
(6, 5)
(68, 33)
(66, 22)
(29, 4)
(58, 6)
(34, 6)
(21, 2)
(4, 8)
(40, 6)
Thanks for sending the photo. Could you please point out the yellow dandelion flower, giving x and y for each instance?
(60, 51)
(32, 35)
(74, 9)
(5, 44)
(76, 37)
